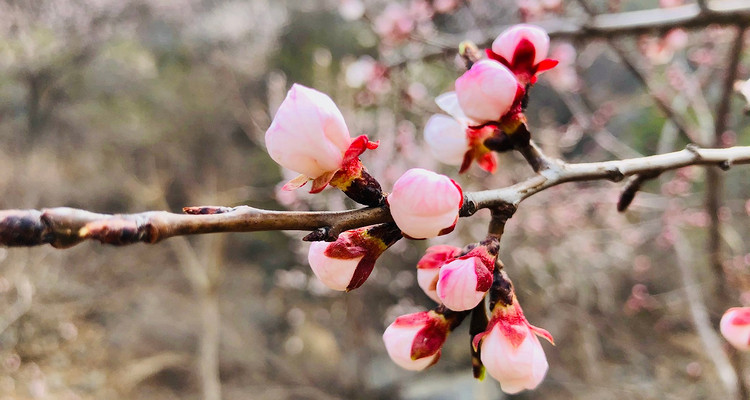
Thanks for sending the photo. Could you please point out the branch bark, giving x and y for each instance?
(66, 227)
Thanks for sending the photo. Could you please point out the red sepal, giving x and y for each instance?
(546, 65)
(488, 162)
(295, 183)
(497, 57)
(357, 147)
(361, 272)
(484, 276)
(321, 182)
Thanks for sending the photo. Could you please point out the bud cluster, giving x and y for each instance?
(487, 105)
(309, 136)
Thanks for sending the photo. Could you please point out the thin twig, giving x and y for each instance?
(713, 179)
(713, 349)
(703, 6)
(727, 12)
(682, 125)
(714, 193)
(65, 227)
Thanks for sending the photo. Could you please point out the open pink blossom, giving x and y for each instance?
(513, 355)
(429, 265)
(346, 263)
(413, 341)
(308, 135)
(507, 43)
(459, 141)
(735, 327)
(523, 48)
(425, 204)
(510, 349)
(487, 91)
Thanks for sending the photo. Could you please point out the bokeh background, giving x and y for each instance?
(133, 105)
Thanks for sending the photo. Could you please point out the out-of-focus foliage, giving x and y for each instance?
(126, 106)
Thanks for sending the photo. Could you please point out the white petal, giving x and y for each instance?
(446, 139)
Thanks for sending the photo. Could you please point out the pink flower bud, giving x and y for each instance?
(346, 263)
(413, 341)
(487, 91)
(512, 39)
(463, 282)
(446, 139)
(513, 355)
(308, 134)
(425, 204)
(429, 265)
(510, 349)
(735, 327)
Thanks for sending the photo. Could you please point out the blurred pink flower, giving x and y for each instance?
(661, 50)
(735, 327)
(394, 24)
(351, 10)
(670, 3)
(564, 77)
(445, 6)
(425, 204)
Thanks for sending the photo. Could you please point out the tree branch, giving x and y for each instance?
(691, 16)
(66, 227)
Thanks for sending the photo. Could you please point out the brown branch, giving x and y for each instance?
(714, 182)
(65, 227)
(726, 12)
(610, 170)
